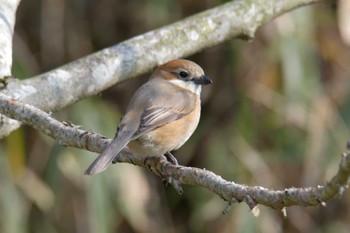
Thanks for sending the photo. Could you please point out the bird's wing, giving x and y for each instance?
(155, 117)
(172, 108)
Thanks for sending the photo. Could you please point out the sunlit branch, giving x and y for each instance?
(7, 23)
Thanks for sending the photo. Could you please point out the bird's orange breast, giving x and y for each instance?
(168, 137)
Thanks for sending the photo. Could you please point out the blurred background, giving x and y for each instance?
(276, 116)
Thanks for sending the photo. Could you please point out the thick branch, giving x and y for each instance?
(94, 73)
(70, 135)
(7, 23)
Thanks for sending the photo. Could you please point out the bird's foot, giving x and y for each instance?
(171, 158)
(154, 165)
(158, 166)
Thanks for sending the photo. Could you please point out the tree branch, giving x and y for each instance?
(7, 24)
(70, 135)
(92, 74)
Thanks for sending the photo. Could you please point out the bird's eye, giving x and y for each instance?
(183, 74)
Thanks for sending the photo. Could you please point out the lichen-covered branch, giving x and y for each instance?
(92, 74)
(7, 23)
(70, 135)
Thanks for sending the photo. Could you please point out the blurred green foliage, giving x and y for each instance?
(276, 116)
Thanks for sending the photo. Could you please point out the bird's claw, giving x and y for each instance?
(157, 165)
(171, 158)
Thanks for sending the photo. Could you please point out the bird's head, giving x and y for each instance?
(183, 73)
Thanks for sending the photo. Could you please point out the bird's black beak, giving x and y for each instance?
(204, 80)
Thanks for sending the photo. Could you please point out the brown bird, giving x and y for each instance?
(161, 116)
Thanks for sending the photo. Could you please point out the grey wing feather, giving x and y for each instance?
(155, 117)
(172, 104)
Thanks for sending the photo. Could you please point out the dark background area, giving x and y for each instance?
(276, 116)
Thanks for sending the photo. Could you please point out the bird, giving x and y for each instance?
(161, 116)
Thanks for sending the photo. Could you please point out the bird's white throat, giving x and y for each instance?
(188, 85)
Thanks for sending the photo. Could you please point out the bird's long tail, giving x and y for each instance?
(102, 161)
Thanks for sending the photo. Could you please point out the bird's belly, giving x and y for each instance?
(166, 138)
